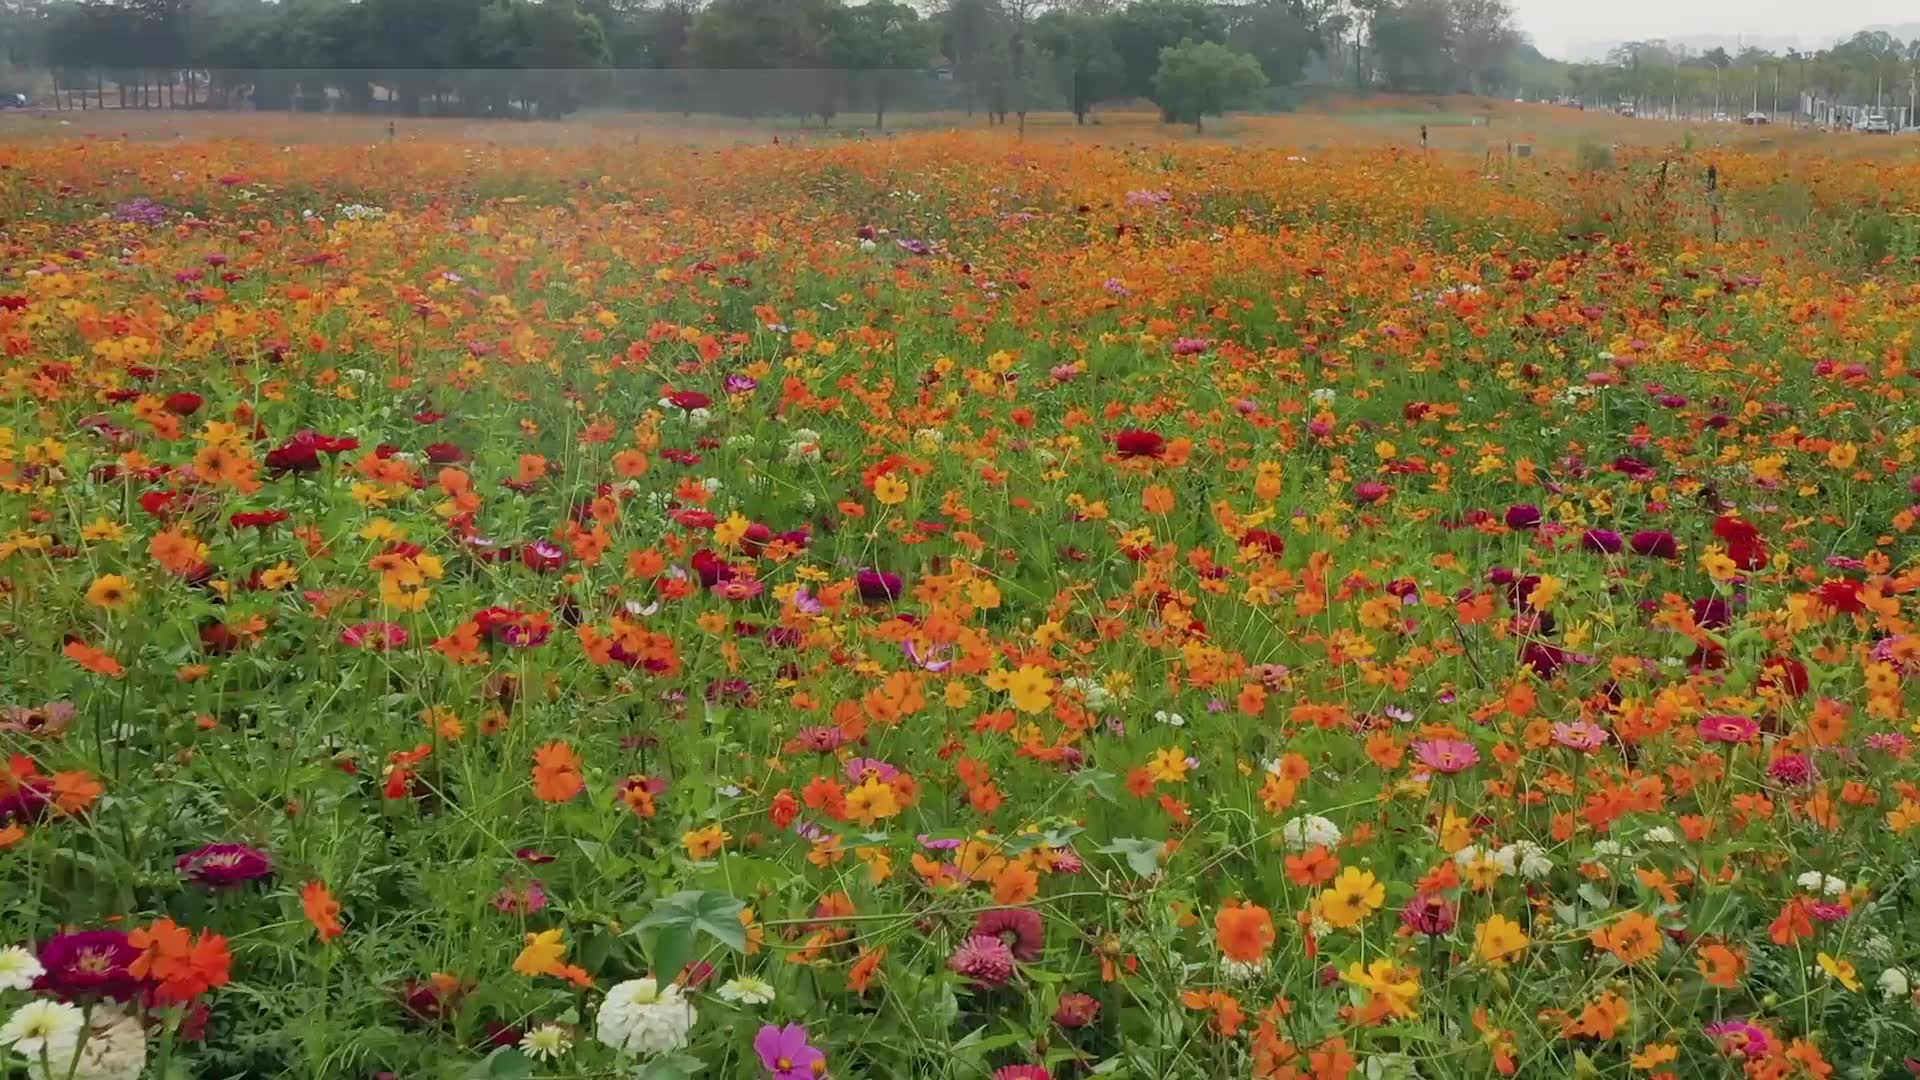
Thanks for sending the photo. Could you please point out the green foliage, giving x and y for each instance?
(1198, 79)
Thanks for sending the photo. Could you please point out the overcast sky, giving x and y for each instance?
(1561, 27)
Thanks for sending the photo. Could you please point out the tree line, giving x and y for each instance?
(814, 57)
(1869, 68)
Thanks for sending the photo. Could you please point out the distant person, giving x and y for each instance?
(1423, 136)
(390, 131)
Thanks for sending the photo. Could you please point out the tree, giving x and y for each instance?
(1413, 46)
(1086, 67)
(1147, 27)
(1203, 78)
(1283, 35)
(885, 46)
(1484, 40)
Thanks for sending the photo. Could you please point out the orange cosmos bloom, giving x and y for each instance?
(1245, 932)
(322, 910)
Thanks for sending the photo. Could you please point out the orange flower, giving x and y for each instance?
(1633, 938)
(556, 773)
(1721, 965)
(183, 967)
(1245, 932)
(322, 910)
(98, 661)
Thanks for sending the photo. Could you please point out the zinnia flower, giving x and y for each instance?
(1728, 729)
(985, 960)
(225, 865)
(92, 963)
(1737, 1038)
(1135, 443)
(1446, 755)
(1021, 928)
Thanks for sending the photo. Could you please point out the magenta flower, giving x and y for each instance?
(89, 963)
(1076, 1011)
(1447, 756)
(224, 865)
(1524, 516)
(860, 768)
(786, 1053)
(1022, 1072)
(1737, 1038)
(1794, 769)
(520, 898)
(1429, 914)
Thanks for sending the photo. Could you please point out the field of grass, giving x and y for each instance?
(631, 598)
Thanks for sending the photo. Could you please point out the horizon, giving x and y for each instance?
(1577, 32)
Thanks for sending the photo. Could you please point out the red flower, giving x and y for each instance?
(689, 399)
(184, 404)
(257, 519)
(1745, 546)
(1134, 443)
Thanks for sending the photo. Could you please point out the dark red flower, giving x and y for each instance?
(89, 963)
(1745, 546)
(257, 519)
(1135, 443)
(444, 453)
(184, 403)
(689, 399)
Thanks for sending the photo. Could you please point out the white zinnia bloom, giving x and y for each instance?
(546, 1042)
(1529, 858)
(1171, 719)
(1324, 395)
(52, 1026)
(1310, 830)
(803, 444)
(1816, 882)
(1242, 971)
(18, 968)
(1097, 696)
(115, 1049)
(1894, 984)
(1660, 834)
(640, 1017)
(746, 990)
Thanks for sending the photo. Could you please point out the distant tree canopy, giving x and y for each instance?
(820, 57)
(1199, 79)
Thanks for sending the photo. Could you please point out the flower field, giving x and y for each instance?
(951, 606)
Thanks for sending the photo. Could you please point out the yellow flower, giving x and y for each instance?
(1169, 766)
(279, 576)
(113, 592)
(1717, 565)
(1499, 940)
(1840, 971)
(1843, 455)
(706, 842)
(890, 489)
(729, 532)
(1031, 689)
(1545, 593)
(872, 801)
(100, 530)
(1399, 988)
(1354, 895)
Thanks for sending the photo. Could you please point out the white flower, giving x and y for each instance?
(52, 1026)
(868, 245)
(1324, 395)
(1660, 834)
(1816, 882)
(930, 438)
(1530, 859)
(546, 1042)
(1607, 848)
(1474, 856)
(1310, 830)
(746, 990)
(1894, 984)
(1097, 696)
(115, 1049)
(1171, 719)
(640, 1017)
(711, 483)
(1242, 971)
(1877, 947)
(18, 968)
(803, 444)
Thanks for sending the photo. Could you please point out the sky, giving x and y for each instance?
(1564, 28)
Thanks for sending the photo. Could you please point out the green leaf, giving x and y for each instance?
(671, 1067)
(677, 921)
(1143, 856)
(1097, 782)
(506, 1062)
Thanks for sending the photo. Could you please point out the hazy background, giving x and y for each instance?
(1573, 30)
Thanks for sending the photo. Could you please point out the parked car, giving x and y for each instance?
(1756, 118)
(1722, 118)
(13, 101)
(1626, 108)
(1875, 124)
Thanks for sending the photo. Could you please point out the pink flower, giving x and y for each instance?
(1022, 1072)
(1793, 769)
(985, 960)
(1582, 735)
(1020, 928)
(1447, 756)
(520, 898)
(1728, 729)
(1737, 1038)
(374, 636)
